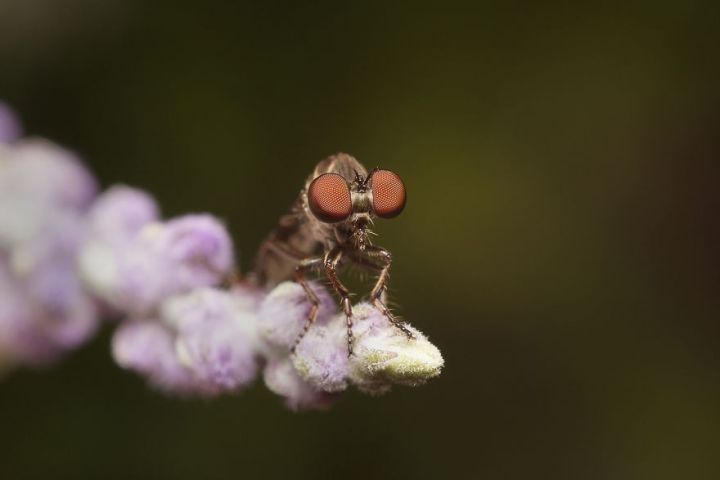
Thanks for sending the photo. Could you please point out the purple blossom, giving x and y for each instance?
(148, 348)
(203, 343)
(134, 266)
(199, 246)
(44, 311)
(322, 353)
(282, 313)
(40, 185)
(382, 355)
(282, 378)
(216, 336)
(58, 297)
(321, 358)
(120, 213)
(40, 171)
(145, 268)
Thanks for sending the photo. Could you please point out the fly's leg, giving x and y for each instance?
(305, 266)
(380, 305)
(382, 259)
(331, 261)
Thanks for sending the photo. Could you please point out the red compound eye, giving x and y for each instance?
(388, 194)
(329, 198)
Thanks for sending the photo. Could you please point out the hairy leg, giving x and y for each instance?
(332, 259)
(300, 271)
(380, 260)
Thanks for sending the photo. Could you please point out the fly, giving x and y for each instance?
(327, 228)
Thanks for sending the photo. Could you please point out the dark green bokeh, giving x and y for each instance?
(560, 243)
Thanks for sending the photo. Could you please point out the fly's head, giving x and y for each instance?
(348, 199)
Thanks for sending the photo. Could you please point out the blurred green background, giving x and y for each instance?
(560, 243)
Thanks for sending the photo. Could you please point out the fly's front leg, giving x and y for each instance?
(332, 259)
(305, 266)
(381, 259)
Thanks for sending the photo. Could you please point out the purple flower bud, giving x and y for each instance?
(23, 222)
(201, 248)
(120, 213)
(44, 310)
(68, 315)
(216, 336)
(321, 357)
(10, 128)
(57, 314)
(147, 347)
(162, 260)
(283, 312)
(383, 355)
(40, 171)
(58, 239)
(40, 184)
(127, 277)
(281, 378)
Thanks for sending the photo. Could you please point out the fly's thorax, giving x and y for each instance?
(340, 163)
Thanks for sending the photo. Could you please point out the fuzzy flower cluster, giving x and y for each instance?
(159, 278)
(320, 368)
(44, 194)
(69, 256)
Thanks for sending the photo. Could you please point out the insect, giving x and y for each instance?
(328, 227)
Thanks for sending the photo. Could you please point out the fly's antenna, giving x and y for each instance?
(358, 178)
(367, 179)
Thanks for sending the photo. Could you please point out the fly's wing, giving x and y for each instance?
(285, 247)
